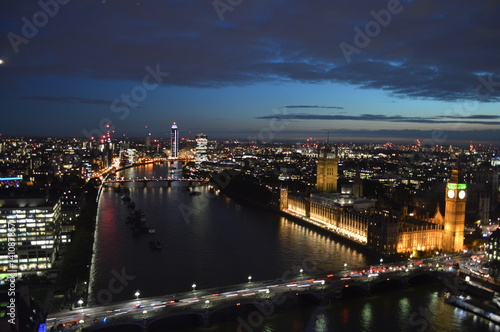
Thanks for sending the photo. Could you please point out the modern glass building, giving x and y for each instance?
(493, 248)
(201, 149)
(29, 230)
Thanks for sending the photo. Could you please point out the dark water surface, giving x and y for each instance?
(213, 241)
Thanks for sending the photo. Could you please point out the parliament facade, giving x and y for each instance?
(386, 232)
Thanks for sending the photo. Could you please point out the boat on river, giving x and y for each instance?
(155, 244)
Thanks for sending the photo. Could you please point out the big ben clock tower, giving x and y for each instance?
(327, 169)
(454, 215)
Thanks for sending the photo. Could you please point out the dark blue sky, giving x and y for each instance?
(366, 70)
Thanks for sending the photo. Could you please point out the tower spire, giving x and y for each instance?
(456, 172)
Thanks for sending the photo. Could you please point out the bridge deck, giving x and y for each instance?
(204, 303)
(155, 179)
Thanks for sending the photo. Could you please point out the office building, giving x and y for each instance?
(29, 228)
(201, 149)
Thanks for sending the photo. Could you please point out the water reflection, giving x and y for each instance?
(404, 310)
(367, 317)
(207, 238)
(213, 241)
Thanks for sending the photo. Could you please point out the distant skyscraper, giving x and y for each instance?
(174, 142)
(201, 149)
(147, 139)
(108, 154)
(327, 169)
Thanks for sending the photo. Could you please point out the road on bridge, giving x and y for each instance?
(138, 309)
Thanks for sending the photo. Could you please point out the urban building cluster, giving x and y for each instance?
(383, 230)
(394, 199)
(402, 200)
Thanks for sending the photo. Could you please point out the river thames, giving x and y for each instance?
(213, 241)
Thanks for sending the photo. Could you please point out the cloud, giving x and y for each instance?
(77, 100)
(478, 116)
(314, 106)
(426, 136)
(431, 50)
(387, 118)
(444, 137)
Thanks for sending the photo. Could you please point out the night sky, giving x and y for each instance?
(367, 70)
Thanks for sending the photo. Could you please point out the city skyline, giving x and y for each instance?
(224, 220)
(369, 72)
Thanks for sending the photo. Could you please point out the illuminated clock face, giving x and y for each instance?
(451, 193)
(461, 194)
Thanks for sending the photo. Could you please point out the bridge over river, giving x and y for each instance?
(167, 181)
(259, 299)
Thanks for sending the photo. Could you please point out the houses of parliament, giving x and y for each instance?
(346, 213)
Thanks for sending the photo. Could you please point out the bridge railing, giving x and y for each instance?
(157, 179)
(250, 292)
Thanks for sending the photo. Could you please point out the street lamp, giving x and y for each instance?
(381, 261)
(345, 266)
(80, 302)
(249, 278)
(301, 270)
(194, 286)
(137, 293)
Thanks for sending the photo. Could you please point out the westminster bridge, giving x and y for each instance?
(166, 181)
(260, 299)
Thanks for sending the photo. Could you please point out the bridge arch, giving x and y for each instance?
(387, 284)
(355, 290)
(421, 278)
(234, 309)
(174, 320)
(310, 297)
(118, 327)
